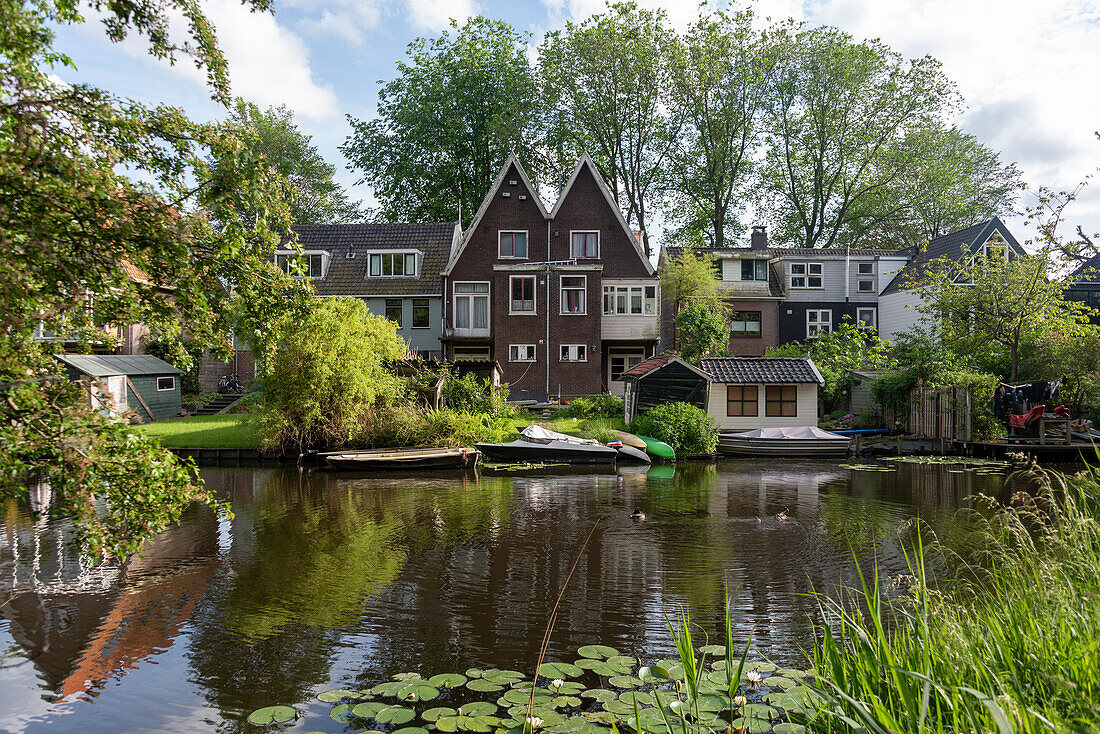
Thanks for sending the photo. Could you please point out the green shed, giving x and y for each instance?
(141, 383)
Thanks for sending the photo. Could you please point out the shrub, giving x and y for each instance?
(326, 375)
(185, 355)
(604, 405)
(473, 395)
(684, 427)
(404, 424)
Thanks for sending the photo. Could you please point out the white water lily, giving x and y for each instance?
(676, 705)
(740, 701)
(557, 683)
(755, 678)
(534, 722)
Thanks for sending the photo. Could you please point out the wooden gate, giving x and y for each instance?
(938, 412)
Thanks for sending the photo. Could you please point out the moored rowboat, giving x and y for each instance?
(403, 459)
(794, 441)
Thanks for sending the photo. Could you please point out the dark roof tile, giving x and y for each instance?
(761, 369)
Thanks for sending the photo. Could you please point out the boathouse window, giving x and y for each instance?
(523, 294)
(521, 353)
(166, 383)
(574, 294)
(421, 313)
(742, 400)
(393, 310)
(574, 353)
(513, 244)
(585, 245)
(754, 270)
(781, 401)
(745, 323)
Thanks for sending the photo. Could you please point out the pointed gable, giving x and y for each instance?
(587, 204)
(511, 204)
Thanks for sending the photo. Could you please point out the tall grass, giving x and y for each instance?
(1009, 641)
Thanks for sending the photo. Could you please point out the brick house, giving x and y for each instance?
(564, 298)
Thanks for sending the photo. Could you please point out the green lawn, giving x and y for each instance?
(203, 432)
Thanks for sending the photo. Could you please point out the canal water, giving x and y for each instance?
(326, 580)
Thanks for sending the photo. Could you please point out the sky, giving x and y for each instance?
(1027, 70)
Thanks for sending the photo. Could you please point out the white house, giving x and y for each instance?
(762, 392)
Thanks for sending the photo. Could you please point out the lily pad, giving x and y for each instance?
(654, 674)
(518, 696)
(562, 702)
(483, 686)
(418, 690)
(762, 667)
(368, 709)
(406, 676)
(779, 681)
(411, 730)
(388, 689)
(395, 715)
(272, 715)
(624, 661)
(715, 650)
(788, 729)
(342, 712)
(447, 680)
(335, 695)
(759, 711)
(434, 714)
(598, 652)
(624, 681)
(601, 694)
(752, 725)
(477, 708)
(642, 697)
(560, 670)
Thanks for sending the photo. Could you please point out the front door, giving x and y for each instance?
(619, 360)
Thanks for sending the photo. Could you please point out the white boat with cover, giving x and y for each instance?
(794, 441)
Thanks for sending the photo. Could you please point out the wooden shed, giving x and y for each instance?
(141, 383)
(663, 379)
(859, 393)
(762, 392)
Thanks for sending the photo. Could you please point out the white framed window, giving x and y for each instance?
(806, 275)
(634, 300)
(392, 264)
(166, 383)
(522, 290)
(865, 269)
(521, 352)
(865, 286)
(574, 295)
(574, 353)
(311, 263)
(394, 310)
(996, 246)
(512, 244)
(754, 270)
(818, 321)
(471, 305)
(866, 317)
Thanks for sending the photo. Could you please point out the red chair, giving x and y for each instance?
(1026, 423)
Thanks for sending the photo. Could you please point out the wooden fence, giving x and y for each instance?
(938, 412)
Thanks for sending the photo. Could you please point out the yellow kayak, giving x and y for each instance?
(629, 439)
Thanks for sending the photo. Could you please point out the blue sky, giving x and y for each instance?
(1026, 69)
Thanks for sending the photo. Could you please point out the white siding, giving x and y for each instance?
(806, 409)
(626, 326)
(888, 268)
(897, 312)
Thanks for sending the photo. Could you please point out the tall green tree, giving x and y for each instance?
(992, 301)
(605, 83)
(951, 181)
(272, 135)
(838, 113)
(105, 216)
(460, 103)
(718, 82)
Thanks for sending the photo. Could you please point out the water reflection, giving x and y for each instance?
(332, 579)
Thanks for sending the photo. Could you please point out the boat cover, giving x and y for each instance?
(789, 432)
(540, 434)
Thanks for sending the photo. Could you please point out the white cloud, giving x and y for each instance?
(346, 19)
(436, 15)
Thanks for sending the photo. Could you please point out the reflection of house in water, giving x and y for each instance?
(82, 624)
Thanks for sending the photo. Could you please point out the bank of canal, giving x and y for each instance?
(323, 581)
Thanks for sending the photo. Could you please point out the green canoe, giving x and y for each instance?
(658, 448)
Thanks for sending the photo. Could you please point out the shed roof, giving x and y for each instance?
(103, 365)
(762, 369)
(348, 277)
(651, 365)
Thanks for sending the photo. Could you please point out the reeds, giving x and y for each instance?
(1008, 642)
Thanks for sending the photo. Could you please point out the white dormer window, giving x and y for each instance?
(312, 263)
(996, 246)
(392, 264)
(754, 270)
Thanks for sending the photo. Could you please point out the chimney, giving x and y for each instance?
(759, 239)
